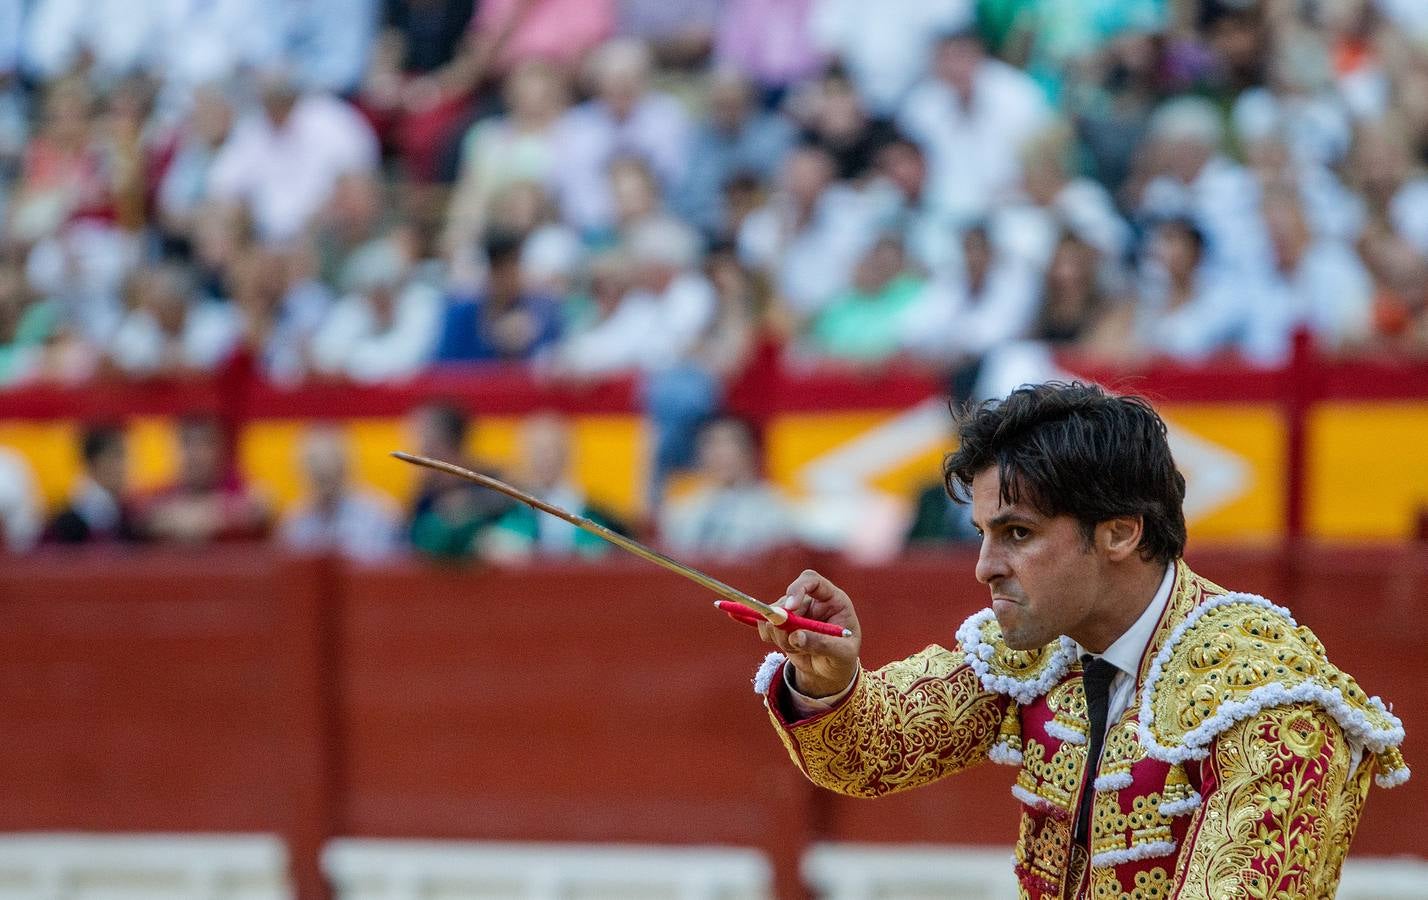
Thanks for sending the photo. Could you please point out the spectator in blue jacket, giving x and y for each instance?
(504, 323)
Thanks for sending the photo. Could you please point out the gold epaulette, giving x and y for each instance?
(1237, 654)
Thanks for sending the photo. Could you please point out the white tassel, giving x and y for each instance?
(1004, 754)
(1064, 733)
(1038, 803)
(1180, 807)
(1115, 782)
(1149, 850)
(1392, 779)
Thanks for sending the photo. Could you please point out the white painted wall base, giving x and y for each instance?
(254, 867)
(362, 869)
(143, 867)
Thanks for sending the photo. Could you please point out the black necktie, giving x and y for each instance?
(1096, 682)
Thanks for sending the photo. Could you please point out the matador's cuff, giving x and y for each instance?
(789, 707)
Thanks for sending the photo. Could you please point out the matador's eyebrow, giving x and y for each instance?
(1006, 517)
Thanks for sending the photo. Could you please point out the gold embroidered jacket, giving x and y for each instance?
(1240, 770)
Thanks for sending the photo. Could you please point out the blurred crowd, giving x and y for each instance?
(361, 191)
(723, 510)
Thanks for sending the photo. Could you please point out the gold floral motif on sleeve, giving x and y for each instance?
(1282, 813)
(904, 725)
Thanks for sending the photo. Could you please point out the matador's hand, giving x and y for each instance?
(823, 665)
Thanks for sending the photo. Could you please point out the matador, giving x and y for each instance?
(1170, 738)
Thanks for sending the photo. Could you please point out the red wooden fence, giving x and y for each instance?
(245, 691)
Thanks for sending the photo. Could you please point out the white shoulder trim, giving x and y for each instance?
(763, 678)
(979, 655)
(1195, 744)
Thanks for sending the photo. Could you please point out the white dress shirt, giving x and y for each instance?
(1125, 654)
(1126, 651)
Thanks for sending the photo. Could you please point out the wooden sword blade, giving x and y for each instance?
(631, 545)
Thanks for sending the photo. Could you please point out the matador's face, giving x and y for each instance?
(1043, 574)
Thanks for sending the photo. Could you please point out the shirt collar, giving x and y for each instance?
(1126, 652)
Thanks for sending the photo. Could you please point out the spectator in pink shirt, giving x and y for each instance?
(510, 32)
(769, 41)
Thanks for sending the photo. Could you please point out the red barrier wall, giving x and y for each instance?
(244, 691)
(166, 692)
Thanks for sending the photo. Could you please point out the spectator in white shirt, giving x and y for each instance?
(666, 257)
(810, 234)
(114, 37)
(338, 516)
(83, 269)
(625, 118)
(1190, 177)
(1315, 283)
(732, 513)
(1299, 103)
(169, 331)
(885, 45)
(604, 334)
(988, 300)
(657, 321)
(972, 117)
(183, 183)
(1184, 310)
(385, 327)
(283, 162)
(500, 151)
(279, 308)
(1333, 210)
(1052, 198)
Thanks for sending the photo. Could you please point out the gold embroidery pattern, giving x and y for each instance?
(904, 725)
(1123, 750)
(1239, 648)
(1044, 852)
(1067, 702)
(1057, 780)
(1280, 818)
(1149, 884)
(1190, 591)
(1112, 829)
(1108, 824)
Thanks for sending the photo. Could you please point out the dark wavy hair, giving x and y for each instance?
(1073, 449)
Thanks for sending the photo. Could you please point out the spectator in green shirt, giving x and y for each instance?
(864, 324)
